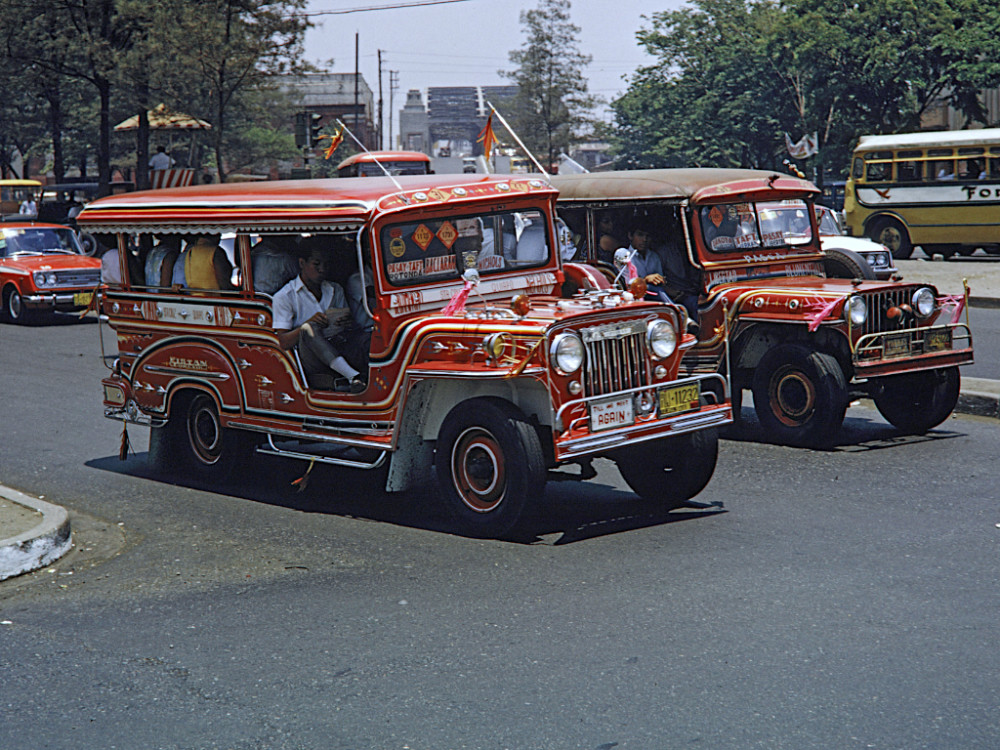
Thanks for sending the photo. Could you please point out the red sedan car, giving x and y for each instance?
(43, 268)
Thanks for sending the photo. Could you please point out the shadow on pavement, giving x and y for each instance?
(570, 511)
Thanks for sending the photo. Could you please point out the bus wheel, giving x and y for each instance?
(489, 461)
(800, 396)
(893, 235)
(918, 401)
(841, 263)
(670, 471)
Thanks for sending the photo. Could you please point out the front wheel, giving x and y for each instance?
(489, 461)
(13, 306)
(893, 235)
(670, 471)
(800, 396)
(918, 401)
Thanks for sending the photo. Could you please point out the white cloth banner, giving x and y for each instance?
(806, 147)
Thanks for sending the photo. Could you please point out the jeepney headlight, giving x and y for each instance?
(923, 301)
(566, 353)
(857, 311)
(662, 338)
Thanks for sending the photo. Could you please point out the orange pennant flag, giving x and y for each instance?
(335, 141)
(487, 137)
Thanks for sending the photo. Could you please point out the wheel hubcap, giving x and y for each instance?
(479, 470)
(14, 305)
(891, 238)
(204, 431)
(793, 397)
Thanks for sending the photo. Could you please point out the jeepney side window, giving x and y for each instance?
(730, 227)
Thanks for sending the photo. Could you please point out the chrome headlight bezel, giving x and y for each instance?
(39, 278)
(661, 338)
(923, 302)
(567, 353)
(857, 310)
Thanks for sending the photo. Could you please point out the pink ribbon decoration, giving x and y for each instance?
(818, 317)
(457, 303)
(958, 300)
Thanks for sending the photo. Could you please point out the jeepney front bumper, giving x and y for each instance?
(598, 424)
(922, 348)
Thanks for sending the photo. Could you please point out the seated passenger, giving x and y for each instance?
(311, 313)
(160, 261)
(272, 267)
(203, 265)
(531, 246)
(359, 335)
(649, 265)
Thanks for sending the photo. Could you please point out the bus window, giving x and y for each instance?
(879, 167)
(909, 167)
(941, 169)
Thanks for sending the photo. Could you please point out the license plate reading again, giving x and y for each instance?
(606, 415)
(897, 346)
(678, 399)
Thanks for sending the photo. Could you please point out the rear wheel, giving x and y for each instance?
(918, 401)
(892, 234)
(194, 439)
(670, 471)
(489, 461)
(800, 396)
(841, 263)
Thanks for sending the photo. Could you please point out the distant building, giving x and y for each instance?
(336, 95)
(942, 116)
(453, 117)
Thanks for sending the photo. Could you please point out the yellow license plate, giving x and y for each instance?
(897, 346)
(82, 299)
(678, 399)
(937, 341)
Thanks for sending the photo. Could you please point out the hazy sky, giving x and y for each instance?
(466, 43)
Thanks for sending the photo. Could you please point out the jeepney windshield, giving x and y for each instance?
(432, 250)
(750, 226)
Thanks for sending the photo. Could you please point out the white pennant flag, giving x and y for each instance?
(807, 146)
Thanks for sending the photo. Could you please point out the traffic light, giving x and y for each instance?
(314, 127)
(301, 132)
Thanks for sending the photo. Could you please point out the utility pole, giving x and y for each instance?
(393, 84)
(356, 75)
(380, 99)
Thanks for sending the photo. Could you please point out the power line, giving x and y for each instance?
(367, 8)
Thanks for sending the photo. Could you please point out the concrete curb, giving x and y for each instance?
(37, 547)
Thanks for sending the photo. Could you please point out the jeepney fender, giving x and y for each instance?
(430, 398)
(753, 341)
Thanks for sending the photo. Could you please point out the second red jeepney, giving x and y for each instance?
(478, 366)
(743, 245)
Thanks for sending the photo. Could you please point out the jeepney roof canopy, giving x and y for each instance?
(696, 184)
(295, 205)
(370, 157)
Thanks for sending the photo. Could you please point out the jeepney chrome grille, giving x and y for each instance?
(880, 302)
(79, 277)
(616, 358)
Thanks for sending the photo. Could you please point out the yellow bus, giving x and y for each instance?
(939, 190)
(15, 192)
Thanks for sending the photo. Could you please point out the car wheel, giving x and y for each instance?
(13, 306)
(489, 460)
(800, 396)
(918, 401)
(88, 243)
(841, 263)
(670, 471)
(893, 235)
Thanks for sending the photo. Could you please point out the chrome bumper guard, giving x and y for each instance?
(889, 346)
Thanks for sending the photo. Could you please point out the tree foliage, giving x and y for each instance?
(732, 76)
(552, 103)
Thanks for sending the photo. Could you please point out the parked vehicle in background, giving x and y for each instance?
(42, 269)
(14, 192)
(366, 164)
(938, 190)
(474, 364)
(803, 343)
(851, 257)
(61, 202)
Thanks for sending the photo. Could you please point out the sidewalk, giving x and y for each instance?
(34, 533)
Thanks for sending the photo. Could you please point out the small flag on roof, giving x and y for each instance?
(335, 140)
(487, 137)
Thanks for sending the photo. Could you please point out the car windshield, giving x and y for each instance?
(746, 226)
(38, 240)
(827, 221)
(442, 249)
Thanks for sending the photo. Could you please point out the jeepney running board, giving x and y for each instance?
(274, 450)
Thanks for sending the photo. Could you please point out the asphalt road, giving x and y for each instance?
(839, 599)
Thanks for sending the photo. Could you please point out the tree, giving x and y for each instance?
(733, 75)
(552, 102)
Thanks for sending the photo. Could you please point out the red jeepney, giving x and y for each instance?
(744, 245)
(477, 366)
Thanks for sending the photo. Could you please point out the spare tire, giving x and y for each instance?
(841, 263)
